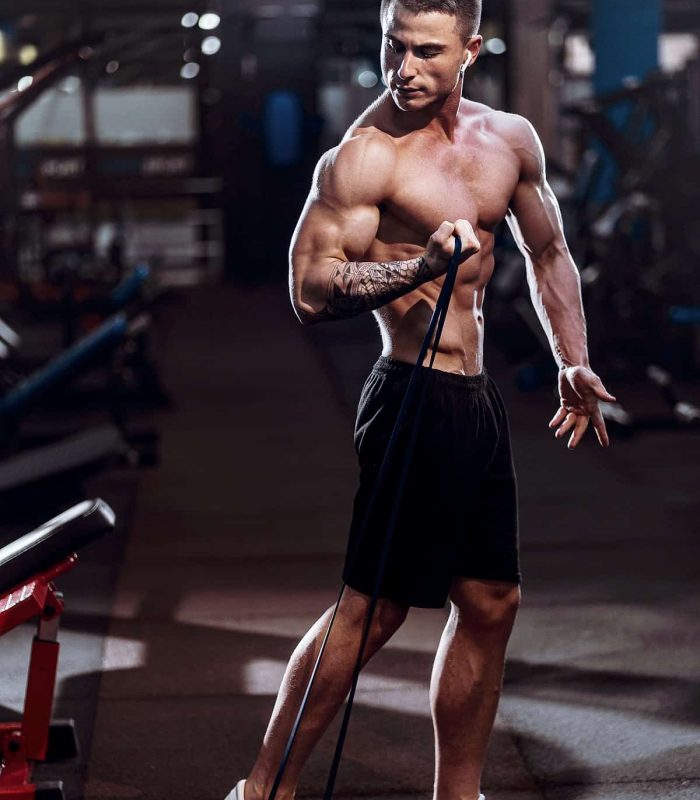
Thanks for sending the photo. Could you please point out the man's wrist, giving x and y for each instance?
(425, 270)
(566, 362)
(583, 364)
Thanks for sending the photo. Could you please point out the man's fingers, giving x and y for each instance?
(579, 430)
(568, 423)
(445, 230)
(600, 429)
(441, 237)
(470, 241)
(442, 244)
(579, 424)
(558, 417)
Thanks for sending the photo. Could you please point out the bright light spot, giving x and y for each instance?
(676, 49)
(3, 47)
(112, 67)
(190, 70)
(121, 653)
(262, 676)
(211, 45)
(368, 79)
(24, 83)
(209, 21)
(496, 46)
(189, 20)
(27, 54)
(70, 85)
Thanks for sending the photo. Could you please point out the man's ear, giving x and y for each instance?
(471, 55)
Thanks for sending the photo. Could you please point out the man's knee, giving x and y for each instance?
(387, 618)
(485, 604)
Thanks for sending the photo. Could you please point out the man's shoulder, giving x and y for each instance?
(515, 129)
(360, 167)
(367, 139)
(519, 135)
(363, 148)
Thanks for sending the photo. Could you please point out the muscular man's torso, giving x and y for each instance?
(471, 178)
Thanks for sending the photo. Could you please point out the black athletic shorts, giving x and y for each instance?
(458, 512)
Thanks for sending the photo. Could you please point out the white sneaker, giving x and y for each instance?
(237, 792)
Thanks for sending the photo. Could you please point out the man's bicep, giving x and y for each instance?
(340, 219)
(332, 228)
(535, 220)
(533, 211)
(325, 236)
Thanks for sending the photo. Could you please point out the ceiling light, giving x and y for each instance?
(189, 70)
(368, 79)
(209, 21)
(189, 20)
(211, 45)
(112, 67)
(496, 46)
(70, 85)
(27, 54)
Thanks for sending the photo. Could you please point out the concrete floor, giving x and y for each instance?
(235, 546)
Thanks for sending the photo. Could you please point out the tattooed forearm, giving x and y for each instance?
(355, 287)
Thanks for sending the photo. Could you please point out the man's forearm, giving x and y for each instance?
(555, 289)
(358, 286)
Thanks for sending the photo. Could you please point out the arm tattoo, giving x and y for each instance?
(356, 287)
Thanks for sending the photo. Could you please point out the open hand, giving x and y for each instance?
(580, 389)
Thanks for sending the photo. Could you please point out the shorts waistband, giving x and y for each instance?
(472, 383)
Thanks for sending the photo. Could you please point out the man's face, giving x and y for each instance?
(421, 56)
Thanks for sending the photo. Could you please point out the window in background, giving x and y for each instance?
(55, 118)
(579, 58)
(145, 115)
(675, 50)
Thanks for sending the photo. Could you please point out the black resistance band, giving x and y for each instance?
(437, 322)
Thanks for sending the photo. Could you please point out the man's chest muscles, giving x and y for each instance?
(432, 185)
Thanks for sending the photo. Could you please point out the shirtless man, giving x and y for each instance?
(376, 234)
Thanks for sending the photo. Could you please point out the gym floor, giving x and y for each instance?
(179, 628)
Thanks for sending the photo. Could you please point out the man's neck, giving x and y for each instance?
(439, 118)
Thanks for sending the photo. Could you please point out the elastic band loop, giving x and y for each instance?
(436, 325)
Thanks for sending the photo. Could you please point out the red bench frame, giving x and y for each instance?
(25, 742)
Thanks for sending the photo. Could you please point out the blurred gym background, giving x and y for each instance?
(154, 158)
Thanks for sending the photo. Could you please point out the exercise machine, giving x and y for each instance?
(29, 568)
